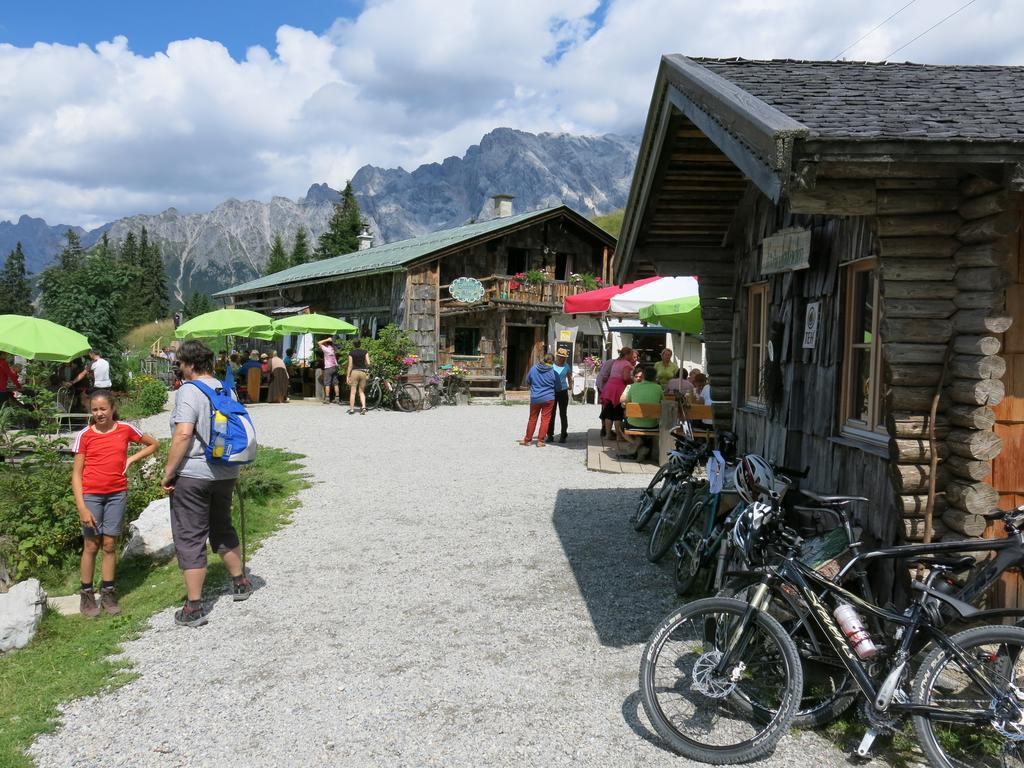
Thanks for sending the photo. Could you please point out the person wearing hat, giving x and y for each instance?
(563, 383)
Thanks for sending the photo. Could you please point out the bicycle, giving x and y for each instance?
(671, 498)
(731, 681)
(383, 391)
(680, 464)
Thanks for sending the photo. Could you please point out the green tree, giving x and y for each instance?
(197, 304)
(102, 248)
(278, 258)
(15, 294)
(342, 235)
(154, 278)
(300, 250)
(129, 250)
(88, 297)
(72, 256)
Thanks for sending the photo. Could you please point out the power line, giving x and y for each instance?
(873, 29)
(933, 26)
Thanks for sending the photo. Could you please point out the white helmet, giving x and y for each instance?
(754, 479)
(747, 531)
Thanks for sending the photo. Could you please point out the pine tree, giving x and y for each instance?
(102, 248)
(72, 257)
(197, 304)
(129, 250)
(300, 250)
(342, 235)
(15, 295)
(154, 278)
(278, 258)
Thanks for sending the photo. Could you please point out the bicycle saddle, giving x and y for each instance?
(950, 562)
(823, 498)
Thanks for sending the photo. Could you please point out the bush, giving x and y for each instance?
(387, 351)
(148, 396)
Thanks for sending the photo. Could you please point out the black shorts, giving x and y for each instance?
(201, 510)
(612, 411)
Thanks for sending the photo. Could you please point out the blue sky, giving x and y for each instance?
(161, 103)
(150, 25)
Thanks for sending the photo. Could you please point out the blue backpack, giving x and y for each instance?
(232, 435)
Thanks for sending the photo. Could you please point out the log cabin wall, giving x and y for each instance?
(799, 427)
(422, 319)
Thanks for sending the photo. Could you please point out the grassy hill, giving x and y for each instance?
(610, 222)
(142, 338)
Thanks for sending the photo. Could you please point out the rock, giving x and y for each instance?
(150, 535)
(20, 611)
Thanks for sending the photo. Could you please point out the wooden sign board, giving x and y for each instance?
(786, 251)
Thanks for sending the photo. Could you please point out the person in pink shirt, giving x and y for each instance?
(331, 382)
(7, 376)
(619, 377)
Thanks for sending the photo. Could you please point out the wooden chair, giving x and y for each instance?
(643, 411)
(252, 384)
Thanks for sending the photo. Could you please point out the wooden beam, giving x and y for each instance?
(839, 198)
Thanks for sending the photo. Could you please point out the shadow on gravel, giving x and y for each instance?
(631, 709)
(625, 595)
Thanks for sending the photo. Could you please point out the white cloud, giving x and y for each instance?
(92, 134)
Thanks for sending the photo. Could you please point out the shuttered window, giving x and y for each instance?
(757, 340)
(862, 413)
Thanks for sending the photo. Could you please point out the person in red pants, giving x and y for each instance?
(541, 379)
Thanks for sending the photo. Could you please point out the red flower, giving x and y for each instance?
(513, 285)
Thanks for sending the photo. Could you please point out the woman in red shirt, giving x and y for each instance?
(99, 480)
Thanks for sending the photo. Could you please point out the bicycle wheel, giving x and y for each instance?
(829, 688)
(652, 498)
(691, 554)
(994, 654)
(431, 397)
(694, 708)
(407, 398)
(374, 394)
(674, 517)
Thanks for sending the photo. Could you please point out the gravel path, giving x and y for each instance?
(443, 596)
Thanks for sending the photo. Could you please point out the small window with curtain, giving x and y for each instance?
(757, 340)
(862, 410)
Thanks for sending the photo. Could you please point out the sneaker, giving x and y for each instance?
(108, 601)
(351, 411)
(362, 411)
(241, 588)
(87, 604)
(525, 442)
(563, 437)
(191, 614)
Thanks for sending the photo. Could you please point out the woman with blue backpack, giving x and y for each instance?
(212, 437)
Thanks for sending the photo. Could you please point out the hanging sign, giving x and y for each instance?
(811, 325)
(786, 251)
(466, 290)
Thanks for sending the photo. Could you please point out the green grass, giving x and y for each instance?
(68, 658)
(610, 222)
(141, 339)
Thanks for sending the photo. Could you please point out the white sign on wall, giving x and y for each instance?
(811, 325)
(785, 251)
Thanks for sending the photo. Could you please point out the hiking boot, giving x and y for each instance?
(108, 601)
(87, 605)
(191, 614)
(241, 588)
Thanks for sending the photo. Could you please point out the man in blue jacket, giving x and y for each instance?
(563, 383)
(541, 379)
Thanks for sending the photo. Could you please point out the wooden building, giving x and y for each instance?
(407, 283)
(856, 231)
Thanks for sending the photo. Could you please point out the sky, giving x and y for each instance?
(115, 107)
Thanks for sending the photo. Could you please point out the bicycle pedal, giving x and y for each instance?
(864, 748)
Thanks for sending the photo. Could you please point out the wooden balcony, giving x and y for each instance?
(498, 290)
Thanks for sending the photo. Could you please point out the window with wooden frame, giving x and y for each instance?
(861, 413)
(757, 340)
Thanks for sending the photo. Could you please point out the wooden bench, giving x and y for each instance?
(487, 385)
(642, 411)
(698, 413)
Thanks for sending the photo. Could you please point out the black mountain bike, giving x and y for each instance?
(721, 679)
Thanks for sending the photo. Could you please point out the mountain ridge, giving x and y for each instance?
(230, 243)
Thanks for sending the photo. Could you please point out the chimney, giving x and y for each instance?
(365, 238)
(502, 206)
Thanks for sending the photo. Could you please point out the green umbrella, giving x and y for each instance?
(677, 314)
(312, 323)
(37, 339)
(227, 322)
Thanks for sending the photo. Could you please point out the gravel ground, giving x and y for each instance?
(443, 596)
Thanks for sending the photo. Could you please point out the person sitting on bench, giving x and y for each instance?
(645, 391)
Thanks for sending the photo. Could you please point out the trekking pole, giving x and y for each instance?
(241, 518)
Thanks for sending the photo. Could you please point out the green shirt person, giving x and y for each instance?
(646, 392)
(665, 370)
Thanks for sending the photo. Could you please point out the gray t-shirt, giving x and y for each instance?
(192, 406)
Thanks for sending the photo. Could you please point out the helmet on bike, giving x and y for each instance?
(747, 532)
(754, 478)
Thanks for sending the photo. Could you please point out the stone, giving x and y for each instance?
(150, 535)
(21, 608)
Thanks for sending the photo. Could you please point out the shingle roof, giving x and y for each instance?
(395, 255)
(864, 100)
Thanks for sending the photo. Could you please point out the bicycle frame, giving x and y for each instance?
(806, 581)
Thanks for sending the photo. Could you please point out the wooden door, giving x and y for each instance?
(1008, 467)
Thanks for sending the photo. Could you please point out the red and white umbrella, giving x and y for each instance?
(630, 298)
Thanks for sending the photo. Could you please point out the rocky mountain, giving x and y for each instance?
(39, 240)
(230, 244)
